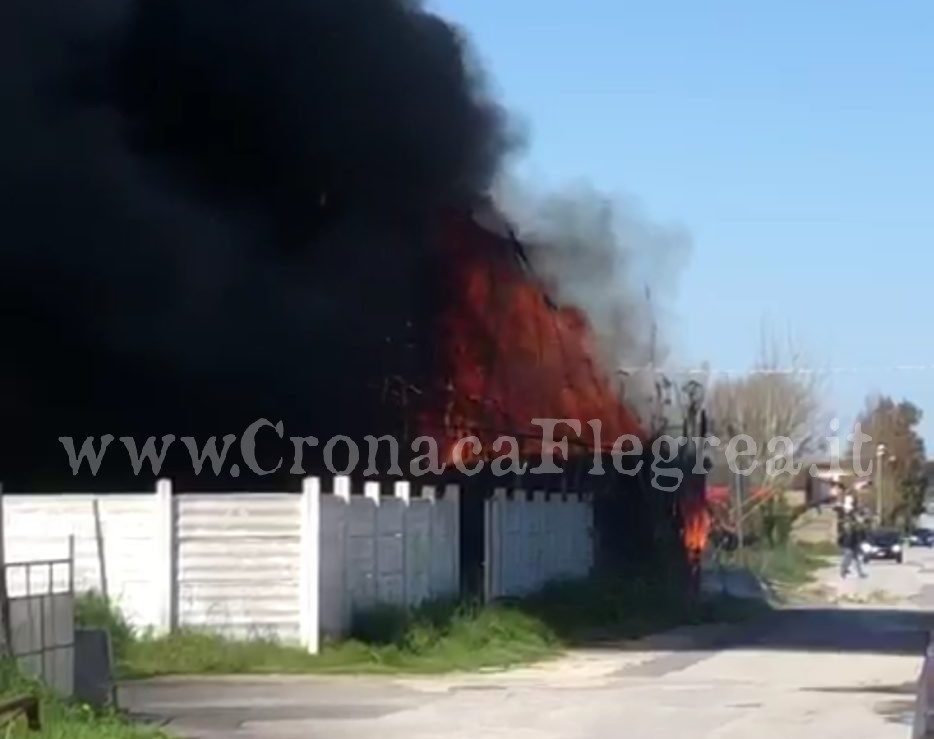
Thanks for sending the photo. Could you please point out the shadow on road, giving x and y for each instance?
(812, 629)
(842, 630)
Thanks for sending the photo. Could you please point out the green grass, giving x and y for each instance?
(439, 636)
(789, 565)
(64, 720)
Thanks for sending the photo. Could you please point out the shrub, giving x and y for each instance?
(64, 719)
(777, 520)
(94, 611)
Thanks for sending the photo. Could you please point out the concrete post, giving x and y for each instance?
(493, 554)
(310, 565)
(429, 494)
(371, 491)
(342, 493)
(452, 493)
(342, 488)
(403, 493)
(165, 557)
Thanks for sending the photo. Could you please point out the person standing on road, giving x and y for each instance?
(851, 537)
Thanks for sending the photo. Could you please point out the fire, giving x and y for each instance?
(696, 522)
(509, 355)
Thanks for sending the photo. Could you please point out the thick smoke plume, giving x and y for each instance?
(214, 210)
(606, 256)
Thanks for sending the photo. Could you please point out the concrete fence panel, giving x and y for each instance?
(532, 539)
(238, 564)
(401, 549)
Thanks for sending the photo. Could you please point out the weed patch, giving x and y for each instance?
(439, 636)
(62, 719)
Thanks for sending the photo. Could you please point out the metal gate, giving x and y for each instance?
(40, 619)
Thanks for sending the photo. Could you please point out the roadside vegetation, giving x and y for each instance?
(439, 636)
(784, 566)
(62, 719)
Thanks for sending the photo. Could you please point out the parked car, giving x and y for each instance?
(921, 538)
(883, 544)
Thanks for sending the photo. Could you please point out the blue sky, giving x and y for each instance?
(794, 140)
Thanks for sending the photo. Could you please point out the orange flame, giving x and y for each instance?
(509, 355)
(696, 523)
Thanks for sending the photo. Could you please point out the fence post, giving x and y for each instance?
(372, 492)
(403, 492)
(310, 565)
(165, 556)
(452, 498)
(496, 509)
(342, 493)
(100, 548)
(590, 499)
(7, 627)
(541, 571)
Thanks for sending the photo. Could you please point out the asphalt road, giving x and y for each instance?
(818, 671)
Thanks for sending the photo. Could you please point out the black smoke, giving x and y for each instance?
(213, 211)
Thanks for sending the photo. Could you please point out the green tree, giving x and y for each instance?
(902, 474)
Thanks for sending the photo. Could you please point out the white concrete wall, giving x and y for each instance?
(288, 566)
(294, 566)
(402, 549)
(37, 527)
(237, 564)
(533, 539)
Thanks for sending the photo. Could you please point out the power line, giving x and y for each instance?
(865, 369)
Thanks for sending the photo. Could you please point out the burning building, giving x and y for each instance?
(225, 210)
(506, 354)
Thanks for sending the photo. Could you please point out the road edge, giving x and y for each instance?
(923, 725)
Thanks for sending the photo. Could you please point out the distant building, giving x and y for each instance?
(825, 483)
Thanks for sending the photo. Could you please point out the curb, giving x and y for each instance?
(923, 725)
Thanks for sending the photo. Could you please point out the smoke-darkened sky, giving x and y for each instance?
(214, 211)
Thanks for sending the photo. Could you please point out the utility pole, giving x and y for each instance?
(737, 497)
(738, 507)
(880, 458)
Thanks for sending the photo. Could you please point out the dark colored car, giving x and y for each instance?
(884, 544)
(921, 538)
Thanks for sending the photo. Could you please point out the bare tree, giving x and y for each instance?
(778, 399)
(778, 405)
